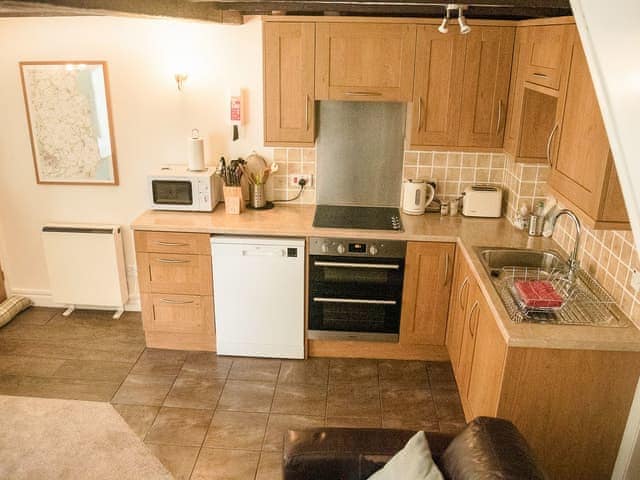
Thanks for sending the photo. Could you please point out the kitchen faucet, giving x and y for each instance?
(573, 259)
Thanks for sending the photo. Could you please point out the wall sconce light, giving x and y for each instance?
(180, 79)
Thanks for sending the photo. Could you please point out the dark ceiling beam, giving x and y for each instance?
(200, 11)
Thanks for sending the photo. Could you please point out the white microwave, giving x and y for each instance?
(174, 187)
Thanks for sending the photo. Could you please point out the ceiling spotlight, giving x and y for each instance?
(443, 26)
(462, 21)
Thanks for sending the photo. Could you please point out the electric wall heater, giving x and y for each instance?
(86, 266)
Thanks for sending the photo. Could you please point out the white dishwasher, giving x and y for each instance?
(258, 285)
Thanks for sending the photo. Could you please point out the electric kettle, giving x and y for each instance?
(416, 195)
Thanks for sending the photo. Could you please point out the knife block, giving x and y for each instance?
(233, 200)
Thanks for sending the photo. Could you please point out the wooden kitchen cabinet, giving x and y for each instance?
(437, 85)
(485, 88)
(463, 283)
(176, 289)
(426, 290)
(547, 54)
(289, 117)
(365, 61)
(583, 172)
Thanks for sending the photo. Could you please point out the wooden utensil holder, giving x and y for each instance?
(233, 200)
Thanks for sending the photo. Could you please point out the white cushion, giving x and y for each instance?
(413, 462)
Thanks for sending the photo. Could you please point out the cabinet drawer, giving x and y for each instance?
(172, 242)
(174, 273)
(177, 313)
(548, 55)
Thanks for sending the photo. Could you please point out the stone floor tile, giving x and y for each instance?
(441, 376)
(246, 396)
(357, 400)
(29, 366)
(400, 372)
(300, 399)
(353, 370)
(237, 430)
(144, 390)
(354, 422)
(138, 417)
(179, 426)
(270, 466)
(256, 369)
(207, 364)
(94, 369)
(219, 464)
(64, 388)
(179, 460)
(159, 362)
(279, 424)
(194, 390)
(313, 371)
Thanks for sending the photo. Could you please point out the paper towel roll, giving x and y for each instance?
(196, 152)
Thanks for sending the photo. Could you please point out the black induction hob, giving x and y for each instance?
(370, 218)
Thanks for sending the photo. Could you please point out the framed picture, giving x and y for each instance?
(70, 124)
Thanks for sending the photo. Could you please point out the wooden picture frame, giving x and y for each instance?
(70, 122)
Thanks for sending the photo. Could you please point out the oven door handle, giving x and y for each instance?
(353, 300)
(382, 266)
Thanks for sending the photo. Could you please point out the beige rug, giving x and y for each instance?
(68, 439)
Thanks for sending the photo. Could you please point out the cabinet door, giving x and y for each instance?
(486, 86)
(289, 83)
(425, 298)
(548, 54)
(458, 306)
(487, 364)
(516, 92)
(187, 314)
(437, 86)
(365, 61)
(468, 342)
(583, 171)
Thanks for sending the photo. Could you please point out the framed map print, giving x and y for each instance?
(69, 116)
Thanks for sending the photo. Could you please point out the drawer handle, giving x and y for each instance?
(543, 75)
(172, 260)
(364, 94)
(176, 302)
(172, 244)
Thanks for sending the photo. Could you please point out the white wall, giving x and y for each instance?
(152, 120)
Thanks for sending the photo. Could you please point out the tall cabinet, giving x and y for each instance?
(289, 50)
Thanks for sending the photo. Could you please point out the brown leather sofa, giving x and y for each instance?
(487, 448)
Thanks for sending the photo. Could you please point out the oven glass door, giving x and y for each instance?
(355, 294)
(172, 192)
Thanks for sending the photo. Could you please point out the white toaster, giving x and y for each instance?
(482, 201)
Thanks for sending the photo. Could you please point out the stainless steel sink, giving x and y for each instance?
(587, 303)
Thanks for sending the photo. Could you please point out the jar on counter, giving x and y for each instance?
(444, 209)
(454, 206)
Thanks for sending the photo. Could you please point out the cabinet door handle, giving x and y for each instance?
(172, 244)
(446, 269)
(306, 111)
(473, 308)
(465, 283)
(363, 94)
(543, 75)
(173, 260)
(419, 113)
(175, 302)
(549, 142)
(498, 127)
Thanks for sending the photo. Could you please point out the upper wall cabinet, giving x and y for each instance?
(365, 61)
(547, 55)
(461, 87)
(485, 90)
(289, 83)
(583, 172)
(437, 87)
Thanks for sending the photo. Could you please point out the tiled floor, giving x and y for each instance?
(208, 417)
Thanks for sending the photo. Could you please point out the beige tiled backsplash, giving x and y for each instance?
(292, 161)
(524, 184)
(454, 171)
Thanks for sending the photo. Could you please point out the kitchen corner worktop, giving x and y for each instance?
(466, 232)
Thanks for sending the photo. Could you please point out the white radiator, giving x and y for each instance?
(86, 265)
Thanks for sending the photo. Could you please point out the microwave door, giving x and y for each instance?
(172, 192)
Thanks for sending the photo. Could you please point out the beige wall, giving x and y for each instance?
(152, 120)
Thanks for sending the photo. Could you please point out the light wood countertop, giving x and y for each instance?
(296, 221)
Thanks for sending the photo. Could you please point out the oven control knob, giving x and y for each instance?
(325, 247)
(341, 249)
(373, 250)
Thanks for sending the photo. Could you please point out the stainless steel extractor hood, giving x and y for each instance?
(359, 153)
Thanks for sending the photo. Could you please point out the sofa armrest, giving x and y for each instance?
(347, 453)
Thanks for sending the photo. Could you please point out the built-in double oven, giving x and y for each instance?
(355, 288)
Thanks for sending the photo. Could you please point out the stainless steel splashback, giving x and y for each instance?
(359, 153)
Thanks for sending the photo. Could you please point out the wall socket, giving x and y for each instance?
(296, 177)
(635, 280)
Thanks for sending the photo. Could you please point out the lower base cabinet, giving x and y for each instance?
(570, 405)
